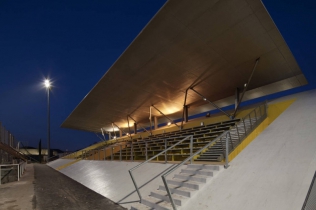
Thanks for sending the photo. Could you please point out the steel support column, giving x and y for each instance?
(217, 107)
(166, 116)
(236, 98)
(246, 86)
(138, 123)
(156, 122)
(184, 104)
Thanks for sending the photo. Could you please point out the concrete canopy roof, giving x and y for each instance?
(210, 45)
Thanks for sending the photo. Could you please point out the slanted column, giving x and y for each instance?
(121, 134)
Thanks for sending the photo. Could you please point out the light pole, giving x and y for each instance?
(48, 86)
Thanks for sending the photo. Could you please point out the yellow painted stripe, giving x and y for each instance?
(274, 110)
(67, 164)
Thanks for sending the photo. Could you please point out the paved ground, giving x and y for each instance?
(18, 195)
(46, 189)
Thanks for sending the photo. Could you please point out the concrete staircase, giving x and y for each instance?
(216, 152)
(182, 186)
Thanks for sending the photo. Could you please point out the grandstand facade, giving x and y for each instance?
(161, 151)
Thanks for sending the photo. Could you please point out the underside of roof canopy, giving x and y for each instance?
(211, 45)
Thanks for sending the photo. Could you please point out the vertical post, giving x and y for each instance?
(48, 126)
(120, 152)
(186, 113)
(165, 151)
(104, 153)
(146, 149)
(0, 175)
(132, 159)
(18, 172)
(237, 132)
(135, 127)
(156, 122)
(150, 121)
(227, 152)
(191, 148)
(111, 153)
(99, 154)
(236, 98)
(250, 120)
(244, 125)
(256, 115)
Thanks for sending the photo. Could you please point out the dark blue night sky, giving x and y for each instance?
(75, 42)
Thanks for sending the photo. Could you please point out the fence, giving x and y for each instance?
(7, 138)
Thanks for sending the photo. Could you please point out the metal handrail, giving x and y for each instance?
(164, 151)
(226, 133)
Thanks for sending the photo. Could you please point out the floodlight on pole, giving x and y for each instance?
(48, 87)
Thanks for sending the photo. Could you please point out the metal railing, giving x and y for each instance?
(190, 137)
(20, 169)
(247, 124)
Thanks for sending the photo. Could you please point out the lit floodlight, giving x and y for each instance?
(47, 83)
(169, 123)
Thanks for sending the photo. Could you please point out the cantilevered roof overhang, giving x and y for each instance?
(209, 45)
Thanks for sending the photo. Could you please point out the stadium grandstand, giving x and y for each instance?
(190, 116)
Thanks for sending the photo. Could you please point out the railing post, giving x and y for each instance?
(18, 172)
(132, 159)
(231, 140)
(146, 150)
(169, 193)
(222, 146)
(130, 173)
(250, 120)
(165, 151)
(104, 153)
(256, 115)
(111, 153)
(238, 132)
(0, 175)
(99, 154)
(191, 148)
(120, 152)
(227, 152)
(244, 126)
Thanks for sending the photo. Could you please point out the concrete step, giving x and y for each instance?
(201, 166)
(139, 206)
(163, 195)
(196, 178)
(194, 172)
(185, 183)
(157, 204)
(183, 191)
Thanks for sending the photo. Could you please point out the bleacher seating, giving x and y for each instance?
(202, 135)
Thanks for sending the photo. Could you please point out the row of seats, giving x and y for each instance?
(145, 148)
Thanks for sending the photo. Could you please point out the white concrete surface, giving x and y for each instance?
(112, 180)
(275, 170)
(59, 162)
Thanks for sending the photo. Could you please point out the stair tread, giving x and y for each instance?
(186, 189)
(158, 201)
(174, 196)
(140, 206)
